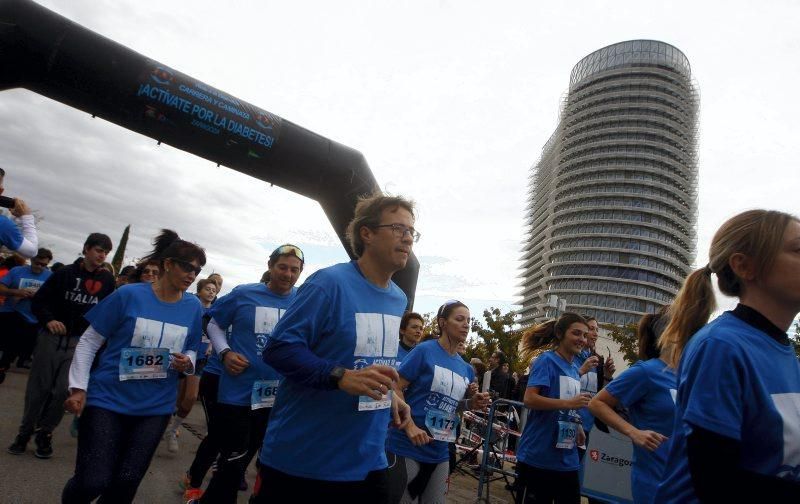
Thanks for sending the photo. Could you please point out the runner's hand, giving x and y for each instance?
(579, 401)
(180, 362)
(580, 438)
(235, 363)
(56, 327)
(647, 439)
(75, 402)
(472, 389)
(590, 363)
(401, 413)
(480, 401)
(609, 368)
(373, 381)
(20, 208)
(417, 436)
(26, 293)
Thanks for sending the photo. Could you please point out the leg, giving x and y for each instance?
(40, 382)
(234, 441)
(28, 332)
(397, 477)
(208, 449)
(259, 419)
(412, 471)
(568, 490)
(98, 448)
(140, 441)
(436, 489)
(10, 325)
(54, 411)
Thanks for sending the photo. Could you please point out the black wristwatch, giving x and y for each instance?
(222, 355)
(335, 377)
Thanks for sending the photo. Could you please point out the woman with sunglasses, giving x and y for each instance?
(646, 390)
(548, 449)
(435, 380)
(152, 333)
(737, 425)
(248, 385)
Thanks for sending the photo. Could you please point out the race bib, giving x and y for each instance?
(442, 425)
(366, 403)
(567, 432)
(263, 394)
(143, 363)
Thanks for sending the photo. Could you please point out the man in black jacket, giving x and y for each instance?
(59, 305)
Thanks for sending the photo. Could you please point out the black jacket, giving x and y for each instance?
(69, 293)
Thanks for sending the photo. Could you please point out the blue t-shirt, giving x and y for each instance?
(589, 385)
(556, 379)
(738, 382)
(22, 277)
(251, 311)
(133, 317)
(437, 381)
(401, 353)
(10, 235)
(347, 320)
(213, 365)
(648, 390)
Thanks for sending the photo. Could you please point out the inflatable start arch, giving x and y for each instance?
(55, 57)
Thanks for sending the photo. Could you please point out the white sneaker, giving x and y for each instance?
(172, 442)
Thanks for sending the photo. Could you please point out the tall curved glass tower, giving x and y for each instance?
(613, 198)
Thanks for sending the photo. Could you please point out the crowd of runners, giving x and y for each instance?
(329, 388)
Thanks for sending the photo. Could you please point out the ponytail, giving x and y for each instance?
(691, 310)
(546, 335)
(168, 245)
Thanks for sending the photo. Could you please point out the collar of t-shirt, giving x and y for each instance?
(405, 347)
(754, 318)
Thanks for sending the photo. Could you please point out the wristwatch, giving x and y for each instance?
(335, 377)
(222, 354)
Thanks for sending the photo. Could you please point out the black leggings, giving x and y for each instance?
(240, 436)
(19, 339)
(543, 486)
(114, 452)
(208, 449)
(278, 487)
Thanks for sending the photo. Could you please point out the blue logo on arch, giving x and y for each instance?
(163, 76)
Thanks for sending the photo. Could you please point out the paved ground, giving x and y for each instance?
(24, 479)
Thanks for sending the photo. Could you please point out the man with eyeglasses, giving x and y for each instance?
(24, 242)
(336, 347)
(59, 306)
(18, 323)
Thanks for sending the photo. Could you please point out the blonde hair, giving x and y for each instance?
(758, 234)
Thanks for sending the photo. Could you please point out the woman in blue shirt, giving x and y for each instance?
(737, 422)
(152, 332)
(435, 380)
(647, 390)
(548, 450)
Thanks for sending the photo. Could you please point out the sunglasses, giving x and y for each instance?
(187, 266)
(288, 250)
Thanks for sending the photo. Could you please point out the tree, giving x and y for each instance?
(625, 337)
(796, 338)
(497, 334)
(119, 255)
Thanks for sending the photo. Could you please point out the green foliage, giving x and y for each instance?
(625, 337)
(496, 333)
(119, 255)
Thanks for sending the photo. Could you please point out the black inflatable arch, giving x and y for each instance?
(55, 57)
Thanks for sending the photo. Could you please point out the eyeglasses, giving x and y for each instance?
(187, 266)
(288, 250)
(400, 231)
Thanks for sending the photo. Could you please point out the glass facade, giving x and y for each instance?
(613, 198)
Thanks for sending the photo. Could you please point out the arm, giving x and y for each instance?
(217, 336)
(534, 400)
(30, 242)
(602, 407)
(81, 365)
(45, 297)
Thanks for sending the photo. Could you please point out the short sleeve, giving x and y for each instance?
(306, 318)
(10, 235)
(541, 373)
(711, 388)
(108, 314)
(224, 309)
(412, 366)
(11, 277)
(631, 386)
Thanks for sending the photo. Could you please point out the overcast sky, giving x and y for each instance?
(450, 102)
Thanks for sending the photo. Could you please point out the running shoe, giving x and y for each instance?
(192, 495)
(172, 442)
(44, 445)
(19, 445)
